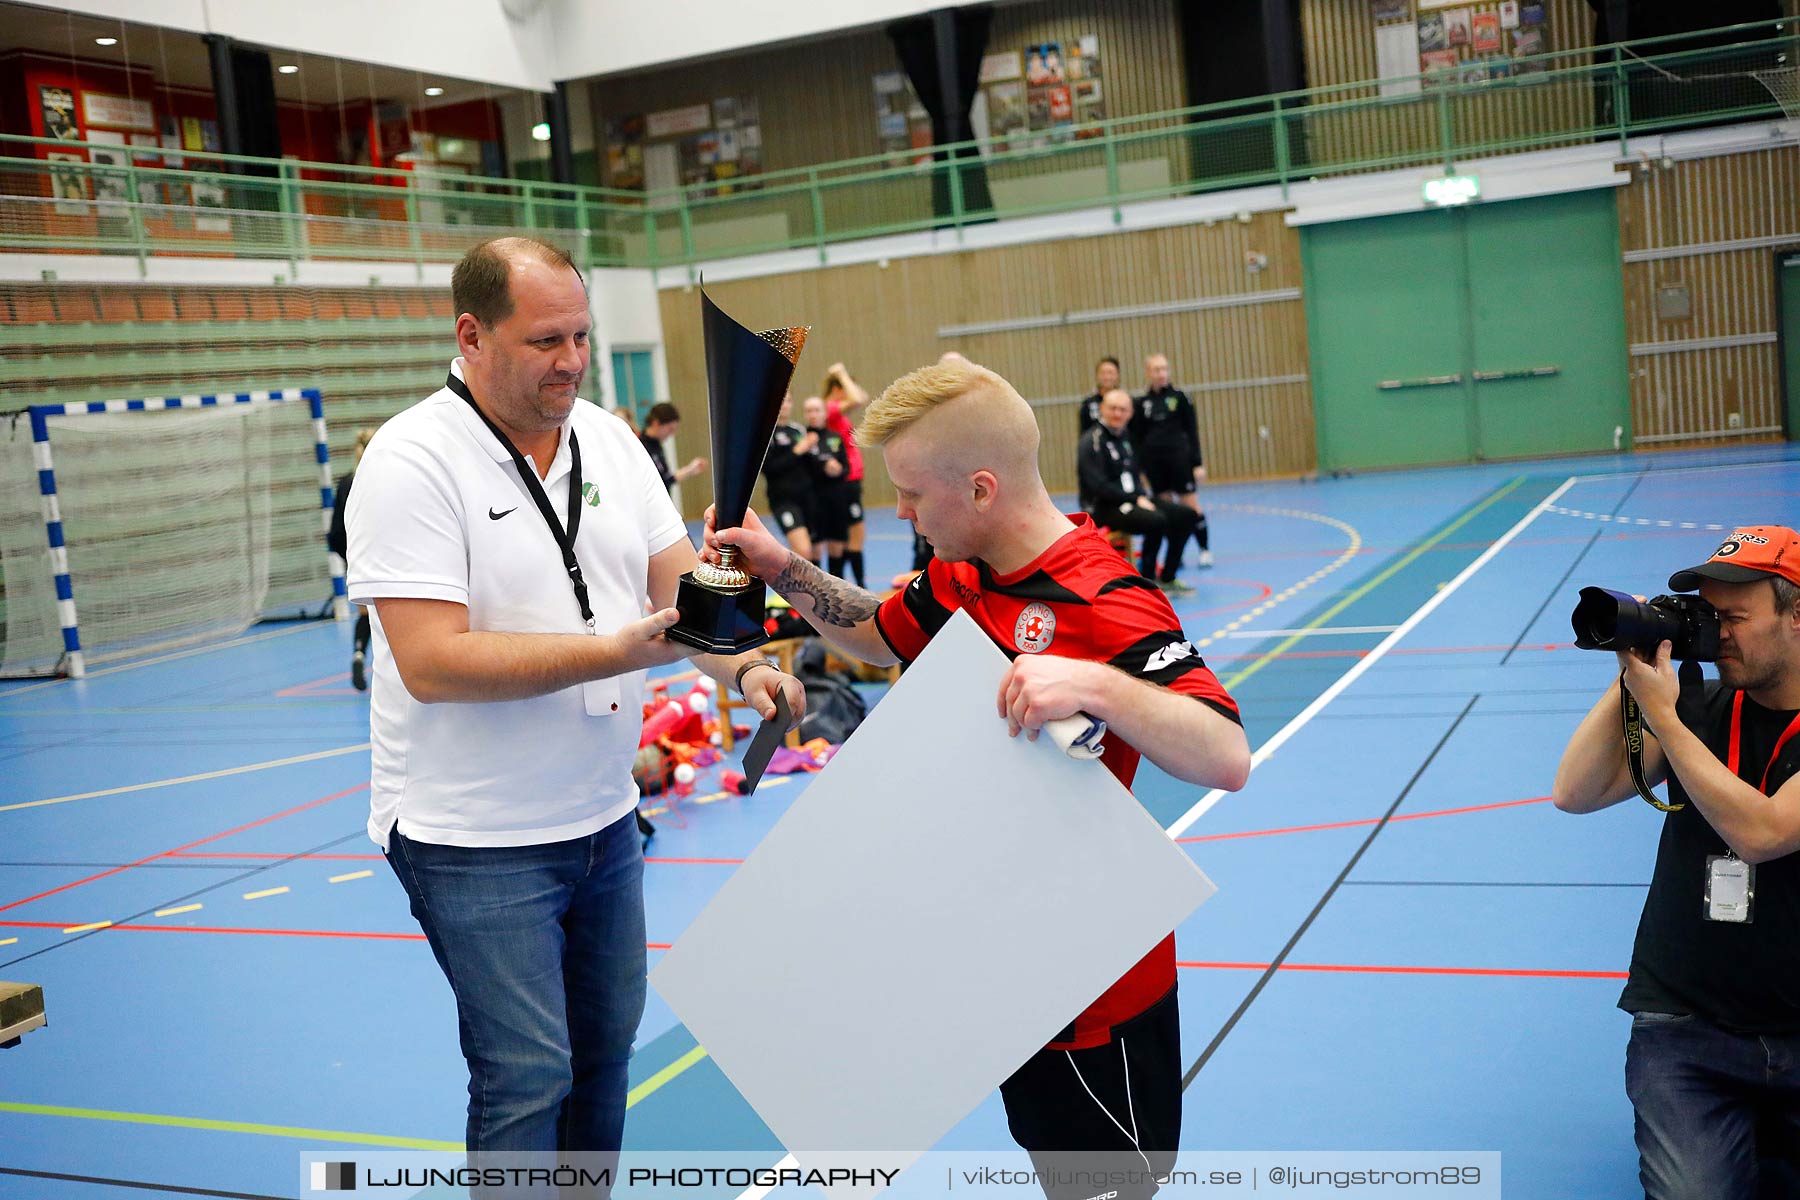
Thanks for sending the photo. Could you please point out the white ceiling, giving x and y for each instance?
(179, 56)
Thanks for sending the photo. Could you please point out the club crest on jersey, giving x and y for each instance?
(1034, 629)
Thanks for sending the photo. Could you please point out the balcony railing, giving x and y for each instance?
(143, 201)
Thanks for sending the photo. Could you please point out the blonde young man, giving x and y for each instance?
(1086, 633)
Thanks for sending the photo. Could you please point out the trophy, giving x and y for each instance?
(747, 375)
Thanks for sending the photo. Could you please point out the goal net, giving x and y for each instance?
(132, 526)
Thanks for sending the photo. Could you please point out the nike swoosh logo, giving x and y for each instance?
(495, 516)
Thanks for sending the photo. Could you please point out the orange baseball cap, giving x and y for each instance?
(1750, 553)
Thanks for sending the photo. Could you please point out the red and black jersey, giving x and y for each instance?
(1078, 599)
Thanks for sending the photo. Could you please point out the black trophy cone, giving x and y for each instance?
(747, 374)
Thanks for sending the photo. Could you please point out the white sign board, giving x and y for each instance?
(939, 903)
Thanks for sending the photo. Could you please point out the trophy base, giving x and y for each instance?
(720, 622)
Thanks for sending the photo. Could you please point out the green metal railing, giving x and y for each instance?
(143, 201)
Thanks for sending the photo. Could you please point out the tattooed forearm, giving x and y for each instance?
(835, 601)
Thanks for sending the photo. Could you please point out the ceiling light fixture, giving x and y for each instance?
(434, 91)
(106, 41)
(288, 69)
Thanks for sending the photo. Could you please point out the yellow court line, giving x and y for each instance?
(162, 783)
(1270, 656)
(322, 1136)
(349, 877)
(265, 892)
(7, 941)
(163, 658)
(170, 912)
(774, 781)
(87, 927)
(663, 1076)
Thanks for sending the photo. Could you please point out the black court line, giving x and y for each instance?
(1556, 588)
(72, 939)
(1269, 971)
(1475, 883)
(173, 1188)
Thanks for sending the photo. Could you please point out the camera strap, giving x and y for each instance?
(1631, 717)
(565, 536)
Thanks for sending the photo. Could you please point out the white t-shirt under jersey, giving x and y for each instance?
(439, 513)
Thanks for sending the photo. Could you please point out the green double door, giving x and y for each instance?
(1491, 331)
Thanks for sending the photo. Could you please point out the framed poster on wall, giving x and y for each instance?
(58, 106)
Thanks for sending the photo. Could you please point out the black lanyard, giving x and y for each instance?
(565, 538)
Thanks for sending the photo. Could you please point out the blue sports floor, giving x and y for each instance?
(1411, 949)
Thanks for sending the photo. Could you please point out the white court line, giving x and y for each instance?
(163, 658)
(1183, 822)
(1322, 631)
(161, 783)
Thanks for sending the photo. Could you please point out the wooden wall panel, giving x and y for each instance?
(817, 103)
(1245, 365)
(1702, 207)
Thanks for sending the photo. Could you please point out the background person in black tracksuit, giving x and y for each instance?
(1113, 493)
(659, 423)
(829, 462)
(337, 541)
(1106, 378)
(787, 476)
(1167, 434)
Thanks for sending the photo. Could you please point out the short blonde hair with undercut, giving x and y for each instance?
(988, 406)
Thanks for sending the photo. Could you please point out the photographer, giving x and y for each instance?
(1713, 1064)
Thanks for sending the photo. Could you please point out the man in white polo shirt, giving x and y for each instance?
(507, 536)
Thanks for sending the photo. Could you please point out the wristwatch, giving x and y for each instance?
(737, 681)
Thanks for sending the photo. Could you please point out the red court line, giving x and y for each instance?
(287, 812)
(313, 933)
(706, 862)
(1442, 812)
(309, 933)
(293, 857)
(1362, 969)
(300, 689)
(1262, 594)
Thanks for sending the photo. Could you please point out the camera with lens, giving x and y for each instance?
(1609, 620)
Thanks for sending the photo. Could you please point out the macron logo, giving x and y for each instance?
(1168, 656)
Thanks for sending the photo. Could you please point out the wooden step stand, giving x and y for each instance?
(21, 1011)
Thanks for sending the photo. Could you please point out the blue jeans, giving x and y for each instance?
(1718, 1113)
(544, 948)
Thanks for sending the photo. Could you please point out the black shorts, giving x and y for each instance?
(1168, 475)
(1114, 1108)
(853, 495)
(789, 513)
(829, 514)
